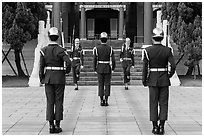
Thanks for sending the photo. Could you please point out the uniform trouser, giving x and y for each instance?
(158, 96)
(76, 73)
(55, 97)
(104, 79)
(126, 72)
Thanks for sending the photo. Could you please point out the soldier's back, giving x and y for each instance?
(52, 55)
(158, 55)
(104, 51)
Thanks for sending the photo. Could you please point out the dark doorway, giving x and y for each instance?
(102, 25)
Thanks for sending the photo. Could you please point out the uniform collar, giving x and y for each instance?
(53, 42)
(158, 44)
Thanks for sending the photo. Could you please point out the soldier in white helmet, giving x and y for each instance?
(77, 57)
(103, 65)
(52, 61)
(127, 60)
(156, 60)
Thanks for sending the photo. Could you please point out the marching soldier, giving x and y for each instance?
(156, 59)
(77, 58)
(104, 65)
(127, 59)
(52, 61)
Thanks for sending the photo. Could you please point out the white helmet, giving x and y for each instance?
(127, 39)
(104, 35)
(77, 40)
(53, 31)
(158, 32)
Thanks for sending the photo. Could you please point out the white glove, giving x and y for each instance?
(71, 59)
(121, 59)
(82, 67)
(133, 66)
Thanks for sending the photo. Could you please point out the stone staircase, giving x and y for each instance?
(88, 77)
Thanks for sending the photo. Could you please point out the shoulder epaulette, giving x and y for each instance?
(145, 52)
(95, 49)
(111, 51)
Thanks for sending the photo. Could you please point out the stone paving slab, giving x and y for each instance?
(23, 111)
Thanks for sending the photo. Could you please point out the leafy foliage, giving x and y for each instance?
(20, 22)
(185, 20)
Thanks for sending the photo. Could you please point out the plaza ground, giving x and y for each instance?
(23, 111)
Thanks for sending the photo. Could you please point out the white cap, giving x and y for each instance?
(158, 32)
(53, 31)
(104, 35)
(127, 39)
(76, 40)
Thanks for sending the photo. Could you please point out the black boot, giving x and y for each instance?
(161, 127)
(76, 86)
(155, 129)
(106, 101)
(58, 129)
(52, 127)
(126, 86)
(102, 101)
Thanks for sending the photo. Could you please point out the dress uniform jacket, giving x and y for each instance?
(127, 53)
(53, 56)
(157, 56)
(103, 53)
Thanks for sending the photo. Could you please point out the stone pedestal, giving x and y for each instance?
(34, 78)
(43, 41)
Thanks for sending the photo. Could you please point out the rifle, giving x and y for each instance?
(62, 37)
(72, 41)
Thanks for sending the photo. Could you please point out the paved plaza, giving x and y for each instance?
(23, 111)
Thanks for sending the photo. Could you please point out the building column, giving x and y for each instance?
(83, 36)
(148, 17)
(56, 14)
(121, 22)
(65, 19)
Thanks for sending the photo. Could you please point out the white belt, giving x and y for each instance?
(126, 58)
(158, 69)
(75, 58)
(55, 68)
(104, 62)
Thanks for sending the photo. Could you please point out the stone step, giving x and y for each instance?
(89, 66)
(87, 83)
(92, 74)
(95, 78)
(92, 43)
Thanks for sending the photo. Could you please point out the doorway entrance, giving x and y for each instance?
(102, 20)
(102, 25)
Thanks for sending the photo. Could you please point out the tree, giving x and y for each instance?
(20, 24)
(185, 20)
